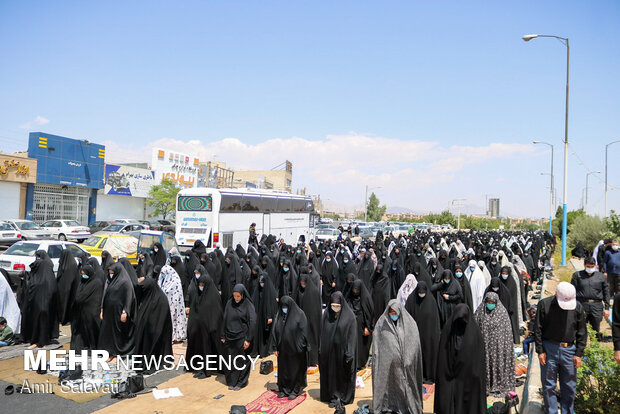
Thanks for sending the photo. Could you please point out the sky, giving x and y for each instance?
(431, 101)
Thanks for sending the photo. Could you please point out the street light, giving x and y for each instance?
(564, 40)
(366, 203)
(587, 176)
(606, 147)
(551, 212)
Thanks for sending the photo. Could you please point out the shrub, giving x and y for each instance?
(587, 229)
(598, 380)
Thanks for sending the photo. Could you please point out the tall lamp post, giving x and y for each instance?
(551, 212)
(564, 40)
(587, 176)
(606, 188)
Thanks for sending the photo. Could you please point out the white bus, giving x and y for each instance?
(223, 217)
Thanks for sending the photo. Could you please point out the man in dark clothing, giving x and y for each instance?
(593, 293)
(615, 328)
(600, 256)
(561, 337)
(253, 238)
(611, 266)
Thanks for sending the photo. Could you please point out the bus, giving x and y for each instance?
(222, 217)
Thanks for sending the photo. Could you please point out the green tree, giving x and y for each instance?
(587, 229)
(613, 226)
(374, 210)
(571, 217)
(163, 197)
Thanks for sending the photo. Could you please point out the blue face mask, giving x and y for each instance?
(85, 277)
(285, 310)
(491, 306)
(459, 274)
(285, 269)
(394, 268)
(394, 317)
(446, 281)
(346, 261)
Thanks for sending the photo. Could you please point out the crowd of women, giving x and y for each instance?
(420, 309)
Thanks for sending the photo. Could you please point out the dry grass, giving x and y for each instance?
(564, 273)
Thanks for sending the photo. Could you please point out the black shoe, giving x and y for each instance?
(231, 388)
(237, 388)
(281, 395)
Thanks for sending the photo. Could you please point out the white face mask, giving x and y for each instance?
(615, 247)
(336, 308)
(156, 250)
(504, 276)
(201, 288)
(590, 270)
(197, 275)
(421, 295)
(328, 260)
(495, 288)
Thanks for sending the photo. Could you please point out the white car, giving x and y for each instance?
(67, 230)
(327, 234)
(29, 230)
(126, 221)
(8, 235)
(19, 256)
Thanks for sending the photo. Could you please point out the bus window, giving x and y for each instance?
(251, 203)
(284, 204)
(309, 206)
(231, 202)
(269, 204)
(299, 205)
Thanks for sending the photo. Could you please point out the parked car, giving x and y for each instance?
(8, 235)
(148, 238)
(367, 233)
(327, 234)
(119, 245)
(152, 225)
(124, 228)
(168, 226)
(67, 230)
(29, 230)
(98, 226)
(20, 255)
(324, 226)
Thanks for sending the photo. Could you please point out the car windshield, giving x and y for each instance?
(28, 225)
(22, 249)
(71, 223)
(92, 241)
(6, 227)
(114, 227)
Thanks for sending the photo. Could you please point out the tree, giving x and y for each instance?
(571, 217)
(613, 226)
(163, 197)
(374, 211)
(588, 230)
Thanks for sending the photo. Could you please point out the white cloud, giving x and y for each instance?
(411, 173)
(38, 121)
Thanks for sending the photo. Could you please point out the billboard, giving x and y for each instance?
(128, 181)
(174, 166)
(67, 161)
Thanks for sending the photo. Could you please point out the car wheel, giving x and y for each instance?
(62, 237)
(24, 239)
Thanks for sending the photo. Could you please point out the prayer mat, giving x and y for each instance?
(429, 389)
(269, 403)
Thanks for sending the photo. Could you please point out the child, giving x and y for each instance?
(529, 334)
(6, 333)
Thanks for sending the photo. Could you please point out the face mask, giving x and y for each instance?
(336, 308)
(201, 288)
(262, 284)
(491, 306)
(298, 251)
(285, 269)
(434, 266)
(328, 260)
(446, 281)
(345, 261)
(197, 275)
(495, 289)
(85, 276)
(394, 268)
(590, 270)
(459, 274)
(494, 262)
(504, 276)
(472, 268)
(110, 276)
(419, 254)
(285, 310)
(341, 251)
(156, 250)
(421, 295)
(237, 301)
(615, 247)
(394, 317)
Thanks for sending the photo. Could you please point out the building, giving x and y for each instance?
(16, 172)
(274, 179)
(125, 192)
(174, 166)
(493, 208)
(215, 175)
(69, 173)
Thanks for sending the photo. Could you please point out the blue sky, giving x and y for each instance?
(443, 80)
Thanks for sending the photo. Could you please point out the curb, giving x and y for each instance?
(532, 402)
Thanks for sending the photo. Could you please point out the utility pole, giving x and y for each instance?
(458, 203)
